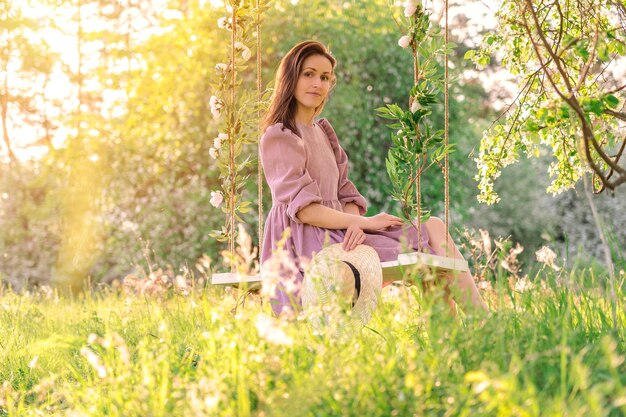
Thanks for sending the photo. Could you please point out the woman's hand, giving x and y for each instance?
(354, 236)
(381, 221)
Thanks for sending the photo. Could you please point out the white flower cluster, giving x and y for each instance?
(415, 105)
(217, 144)
(221, 67)
(216, 107)
(271, 330)
(225, 23)
(547, 256)
(410, 7)
(246, 54)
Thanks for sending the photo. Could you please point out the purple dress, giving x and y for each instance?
(314, 169)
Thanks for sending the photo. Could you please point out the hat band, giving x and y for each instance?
(357, 282)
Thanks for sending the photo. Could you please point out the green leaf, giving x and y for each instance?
(582, 51)
(611, 101)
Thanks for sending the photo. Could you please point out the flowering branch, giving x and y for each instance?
(416, 146)
(234, 106)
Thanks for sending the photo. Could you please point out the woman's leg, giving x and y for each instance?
(462, 283)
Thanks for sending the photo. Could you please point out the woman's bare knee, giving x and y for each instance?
(435, 222)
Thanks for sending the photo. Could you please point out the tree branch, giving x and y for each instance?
(588, 135)
(617, 115)
(592, 57)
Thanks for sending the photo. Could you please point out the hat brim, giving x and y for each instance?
(320, 280)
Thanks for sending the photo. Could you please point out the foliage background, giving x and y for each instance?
(129, 188)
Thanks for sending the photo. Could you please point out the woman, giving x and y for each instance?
(307, 172)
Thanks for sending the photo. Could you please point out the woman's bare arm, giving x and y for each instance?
(352, 208)
(318, 215)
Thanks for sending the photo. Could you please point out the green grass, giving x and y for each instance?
(550, 350)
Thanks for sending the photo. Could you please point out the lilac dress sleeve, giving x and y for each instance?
(346, 191)
(284, 162)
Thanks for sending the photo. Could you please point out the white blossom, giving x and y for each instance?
(410, 7)
(269, 329)
(213, 153)
(547, 256)
(523, 285)
(217, 142)
(415, 106)
(224, 22)
(94, 361)
(221, 67)
(404, 41)
(246, 54)
(216, 198)
(33, 362)
(216, 106)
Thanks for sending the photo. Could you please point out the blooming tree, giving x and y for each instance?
(569, 57)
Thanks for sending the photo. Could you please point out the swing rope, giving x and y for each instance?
(418, 183)
(446, 112)
(259, 95)
(231, 141)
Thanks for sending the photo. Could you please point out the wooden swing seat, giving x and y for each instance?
(392, 270)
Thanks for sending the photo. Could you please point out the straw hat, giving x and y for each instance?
(338, 282)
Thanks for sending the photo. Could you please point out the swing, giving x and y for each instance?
(392, 270)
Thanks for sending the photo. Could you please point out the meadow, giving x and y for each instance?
(161, 346)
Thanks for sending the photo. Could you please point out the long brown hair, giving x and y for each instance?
(283, 105)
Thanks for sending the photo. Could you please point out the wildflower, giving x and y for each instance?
(245, 51)
(415, 106)
(523, 284)
(217, 142)
(279, 272)
(129, 226)
(216, 106)
(547, 256)
(244, 256)
(410, 7)
(221, 67)
(94, 361)
(33, 362)
(268, 329)
(216, 198)
(182, 285)
(246, 54)
(224, 23)
(214, 153)
(404, 41)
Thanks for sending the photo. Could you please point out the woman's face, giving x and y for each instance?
(314, 82)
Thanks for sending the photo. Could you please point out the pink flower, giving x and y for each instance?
(225, 23)
(217, 142)
(404, 41)
(216, 106)
(410, 7)
(245, 54)
(216, 198)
